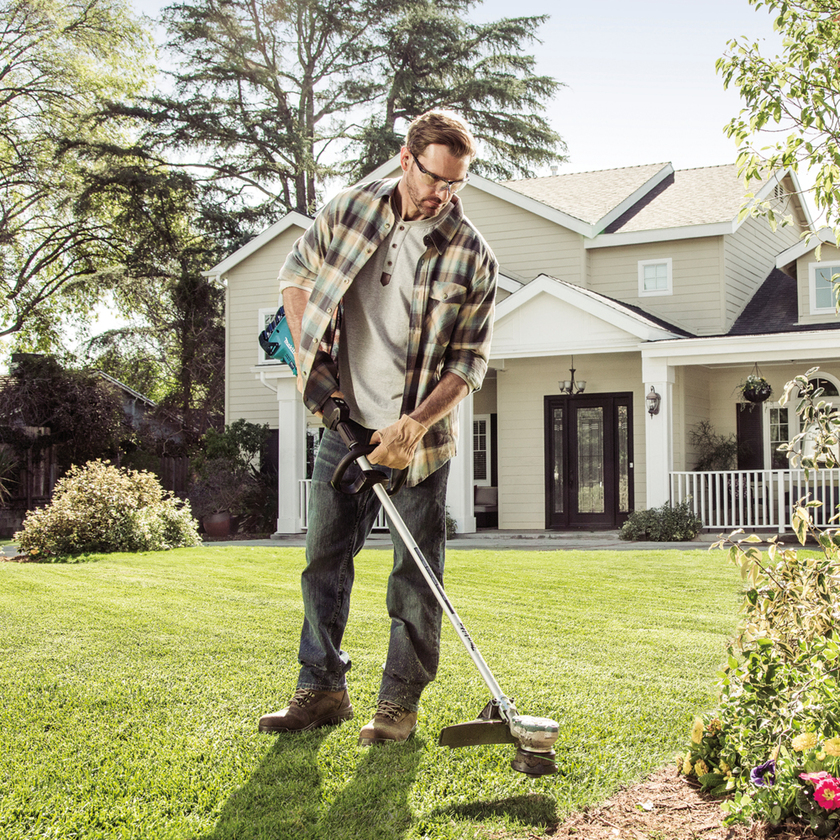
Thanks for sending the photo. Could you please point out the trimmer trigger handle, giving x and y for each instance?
(336, 414)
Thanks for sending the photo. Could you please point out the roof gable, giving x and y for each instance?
(527, 322)
(289, 220)
(822, 236)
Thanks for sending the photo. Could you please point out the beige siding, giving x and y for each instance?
(484, 400)
(521, 388)
(829, 256)
(251, 286)
(696, 304)
(750, 255)
(694, 402)
(524, 243)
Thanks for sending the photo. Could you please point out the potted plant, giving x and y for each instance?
(227, 480)
(216, 496)
(755, 388)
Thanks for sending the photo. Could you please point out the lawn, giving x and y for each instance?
(130, 689)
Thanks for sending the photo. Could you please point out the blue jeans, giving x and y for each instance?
(338, 527)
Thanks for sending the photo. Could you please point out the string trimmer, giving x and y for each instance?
(499, 722)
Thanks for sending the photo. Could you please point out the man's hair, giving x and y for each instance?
(445, 128)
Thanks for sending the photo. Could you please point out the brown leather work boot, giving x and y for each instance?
(308, 710)
(390, 723)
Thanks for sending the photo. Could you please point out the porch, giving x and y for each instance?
(756, 499)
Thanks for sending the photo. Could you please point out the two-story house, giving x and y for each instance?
(650, 287)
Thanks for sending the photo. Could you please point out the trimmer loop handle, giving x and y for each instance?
(336, 417)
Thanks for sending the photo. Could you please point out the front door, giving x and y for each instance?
(589, 460)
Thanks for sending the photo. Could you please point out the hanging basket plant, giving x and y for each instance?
(755, 388)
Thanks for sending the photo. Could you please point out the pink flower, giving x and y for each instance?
(816, 778)
(826, 789)
(827, 794)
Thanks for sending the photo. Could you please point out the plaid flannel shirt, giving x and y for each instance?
(451, 314)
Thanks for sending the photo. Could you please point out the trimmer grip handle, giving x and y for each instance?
(336, 414)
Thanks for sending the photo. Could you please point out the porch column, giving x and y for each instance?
(459, 494)
(292, 454)
(659, 431)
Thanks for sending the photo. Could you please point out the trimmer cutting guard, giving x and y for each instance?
(488, 728)
(533, 736)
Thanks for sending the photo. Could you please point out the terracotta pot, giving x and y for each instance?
(217, 524)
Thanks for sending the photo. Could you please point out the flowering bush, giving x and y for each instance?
(777, 725)
(100, 508)
(706, 757)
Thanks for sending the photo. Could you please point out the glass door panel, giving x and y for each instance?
(623, 459)
(559, 466)
(590, 460)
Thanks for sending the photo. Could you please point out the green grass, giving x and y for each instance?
(130, 688)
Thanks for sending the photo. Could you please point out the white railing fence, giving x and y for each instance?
(381, 523)
(732, 499)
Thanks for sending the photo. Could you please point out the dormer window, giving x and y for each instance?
(655, 277)
(823, 278)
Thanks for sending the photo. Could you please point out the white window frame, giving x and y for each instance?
(485, 418)
(792, 420)
(264, 315)
(812, 284)
(669, 285)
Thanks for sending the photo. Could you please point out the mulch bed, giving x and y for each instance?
(665, 807)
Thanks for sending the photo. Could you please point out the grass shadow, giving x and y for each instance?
(281, 799)
(374, 804)
(284, 798)
(535, 810)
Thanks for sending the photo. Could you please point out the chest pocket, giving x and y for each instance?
(445, 301)
(448, 293)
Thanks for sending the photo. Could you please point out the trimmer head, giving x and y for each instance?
(534, 764)
(534, 737)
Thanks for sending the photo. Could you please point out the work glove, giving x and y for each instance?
(397, 443)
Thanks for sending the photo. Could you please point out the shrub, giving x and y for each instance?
(776, 740)
(100, 508)
(778, 719)
(663, 524)
(8, 467)
(712, 451)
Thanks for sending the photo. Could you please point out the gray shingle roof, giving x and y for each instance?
(702, 196)
(774, 309)
(587, 196)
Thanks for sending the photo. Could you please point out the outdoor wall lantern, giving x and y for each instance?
(569, 386)
(653, 399)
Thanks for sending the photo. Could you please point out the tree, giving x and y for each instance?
(60, 60)
(83, 414)
(433, 57)
(795, 94)
(271, 100)
(173, 348)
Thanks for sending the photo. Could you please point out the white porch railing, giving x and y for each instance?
(756, 498)
(381, 523)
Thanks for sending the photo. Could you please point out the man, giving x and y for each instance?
(396, 269)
